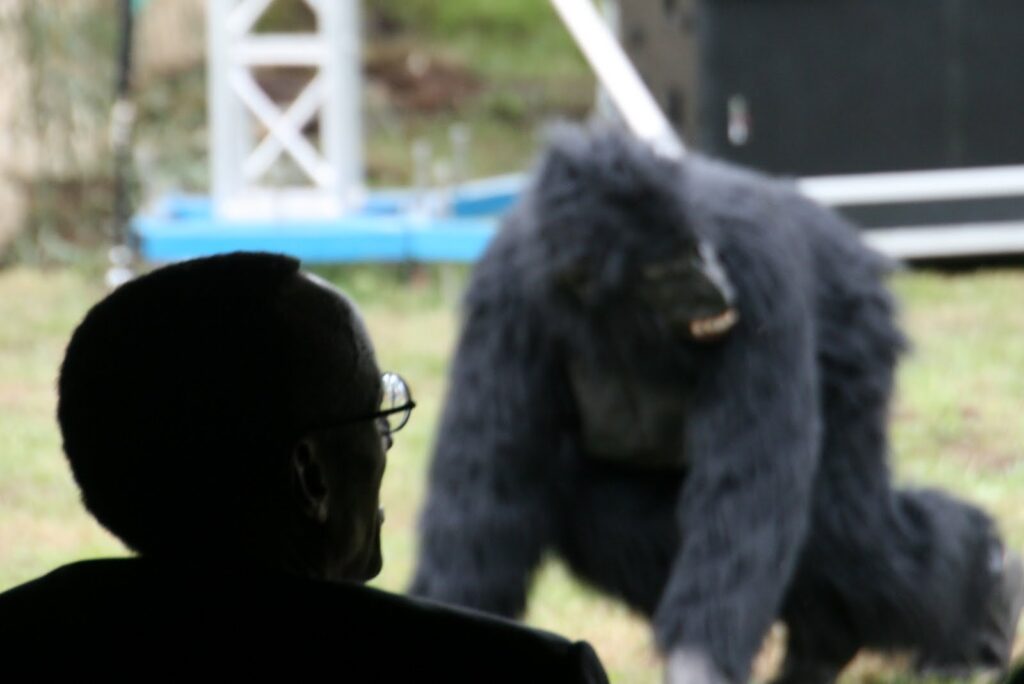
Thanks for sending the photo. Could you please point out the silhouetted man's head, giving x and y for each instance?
(223, 409)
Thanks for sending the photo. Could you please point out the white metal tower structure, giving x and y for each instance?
(250, 134)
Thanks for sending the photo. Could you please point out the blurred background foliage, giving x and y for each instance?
(55, 171)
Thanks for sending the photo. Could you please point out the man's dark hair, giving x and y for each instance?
(178, 400)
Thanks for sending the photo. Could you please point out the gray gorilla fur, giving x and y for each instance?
(776, 501)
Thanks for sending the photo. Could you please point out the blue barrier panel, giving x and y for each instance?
(386, 229)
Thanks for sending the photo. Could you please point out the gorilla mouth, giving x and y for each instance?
(713, 327)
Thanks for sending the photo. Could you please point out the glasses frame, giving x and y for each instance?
(377, 415)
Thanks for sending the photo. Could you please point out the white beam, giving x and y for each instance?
(618, 76)
(270, 115)
(244, 16)
(342, 141)
(296, 117)
(916, 186)
(969, 239)
(284, 49)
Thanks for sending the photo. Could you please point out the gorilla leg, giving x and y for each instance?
(501, 453)
(932, 581)
(620, 533)
(935, 583)
(978, 587)
(478, 549)
(884, 568)
(805, 663)
(821, 640)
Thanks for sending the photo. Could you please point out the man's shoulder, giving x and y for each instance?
(145, 607)
(466, 645)
(54, 589)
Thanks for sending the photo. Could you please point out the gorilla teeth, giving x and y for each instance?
(714, 326)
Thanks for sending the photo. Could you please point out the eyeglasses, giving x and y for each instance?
(396, 402)
(396, 406)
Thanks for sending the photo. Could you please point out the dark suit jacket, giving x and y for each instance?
(97, 615)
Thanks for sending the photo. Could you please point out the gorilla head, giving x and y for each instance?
(632, 282)
(620, 242)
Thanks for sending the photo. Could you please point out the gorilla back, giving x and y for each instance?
(676, 376)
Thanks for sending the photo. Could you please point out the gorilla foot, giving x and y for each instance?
(1003, 612)
(992, 647)
(687, 666)
(808, 673)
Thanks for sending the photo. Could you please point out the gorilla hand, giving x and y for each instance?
(691, 666)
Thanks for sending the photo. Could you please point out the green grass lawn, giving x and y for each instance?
(957, 423)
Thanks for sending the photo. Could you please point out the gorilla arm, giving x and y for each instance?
(752, 442)
(490, 506)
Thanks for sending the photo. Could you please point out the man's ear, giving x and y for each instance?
(310, 480)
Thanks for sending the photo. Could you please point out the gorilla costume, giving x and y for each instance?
(676, 377)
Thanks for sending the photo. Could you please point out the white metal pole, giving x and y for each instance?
(220, 105)
(916, 186)
(343, 137)
(619, 77)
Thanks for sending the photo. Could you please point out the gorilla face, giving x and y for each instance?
(687, 296)
(687, 292)
(690, 293)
